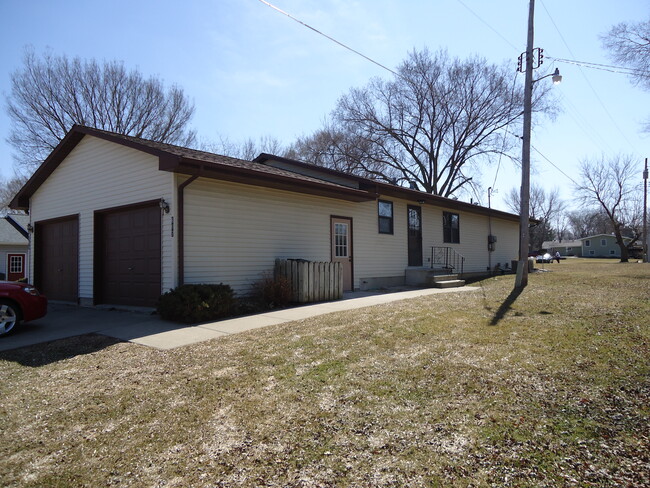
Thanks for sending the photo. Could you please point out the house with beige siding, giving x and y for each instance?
(120, 220)
(14, 247)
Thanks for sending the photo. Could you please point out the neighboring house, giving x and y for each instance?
(14, 247)
(566, 248)
(119, 220)
(602, 246)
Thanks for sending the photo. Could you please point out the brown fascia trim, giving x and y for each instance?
(381, 188)
(263, 157)
(438, 201)
(269, 180)
(61, 151)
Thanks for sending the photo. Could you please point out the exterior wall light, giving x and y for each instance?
(164, 206)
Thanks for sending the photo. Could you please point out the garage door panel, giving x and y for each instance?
(131, 256)
(57, 259)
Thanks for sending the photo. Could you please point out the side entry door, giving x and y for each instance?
(341, 245)
(415, 235)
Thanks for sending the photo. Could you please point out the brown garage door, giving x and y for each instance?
(129, 256)
(57, 259)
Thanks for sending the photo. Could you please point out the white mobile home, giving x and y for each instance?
(119, 220)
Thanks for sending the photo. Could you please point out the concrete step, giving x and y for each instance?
(449, 284)
(444, 277)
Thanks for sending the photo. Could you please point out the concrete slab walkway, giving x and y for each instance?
(171, 339)
(145, 328)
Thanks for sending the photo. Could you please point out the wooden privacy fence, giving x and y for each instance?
(311, 281)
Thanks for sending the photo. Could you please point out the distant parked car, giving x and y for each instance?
(544, 258)
(19, 302)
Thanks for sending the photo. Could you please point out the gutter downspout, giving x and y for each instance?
(181, 228)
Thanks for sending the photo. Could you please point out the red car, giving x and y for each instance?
(18, 302)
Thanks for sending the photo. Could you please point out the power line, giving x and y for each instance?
(604, 67)
(586, 78)
(546, 158)
(488, 25)
(512, 94)
(330, 38)
(554, 165)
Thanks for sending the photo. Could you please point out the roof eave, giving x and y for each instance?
(245, 176)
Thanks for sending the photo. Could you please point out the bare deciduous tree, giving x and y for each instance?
(248, 150)
(585, 223)
(545, 207)
(344, 152)
(52, 93)
(609, 184)
(429, 124)
(629, 45)
(8, 189)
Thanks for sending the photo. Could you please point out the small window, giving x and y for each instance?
(587, 243)
(341, 240)
(603, 242)
(592, 252)
(612, 252)
(15, 264)
(569, 249)
(385, 211)
(451, 227)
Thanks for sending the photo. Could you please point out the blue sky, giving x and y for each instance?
(253, 72)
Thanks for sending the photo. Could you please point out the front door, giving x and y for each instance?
(15, 267)
(341, 232)
(415, 235)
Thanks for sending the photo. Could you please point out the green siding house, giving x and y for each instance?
(601, 246)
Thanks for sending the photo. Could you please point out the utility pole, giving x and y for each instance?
(524, 212)
(645, 212)
(490, 243)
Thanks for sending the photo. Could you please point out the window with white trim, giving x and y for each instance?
(15, 264)
(587, 243)
(341, 240)
(603, 242)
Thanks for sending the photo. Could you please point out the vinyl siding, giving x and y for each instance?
(5, 250)
(234, 232)
(473, 245)
(99, 175)
(599, 250)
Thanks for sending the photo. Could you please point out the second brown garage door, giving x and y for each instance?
(128, 261)
(57, 258)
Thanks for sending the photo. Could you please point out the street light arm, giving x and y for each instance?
(557, 77)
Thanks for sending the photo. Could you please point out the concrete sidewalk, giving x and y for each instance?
(177, 337)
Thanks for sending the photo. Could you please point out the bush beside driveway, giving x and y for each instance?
(548, 388)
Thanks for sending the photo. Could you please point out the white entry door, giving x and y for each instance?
(341, 232)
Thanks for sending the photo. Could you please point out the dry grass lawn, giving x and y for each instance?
(549, 388)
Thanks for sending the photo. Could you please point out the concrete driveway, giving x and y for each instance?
(142, 327)
(64, 321)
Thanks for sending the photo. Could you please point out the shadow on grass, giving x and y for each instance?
(506, 306)
(51, 352)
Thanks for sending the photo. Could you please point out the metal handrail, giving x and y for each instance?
(448, 257)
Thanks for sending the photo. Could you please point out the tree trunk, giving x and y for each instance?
(619, 240)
